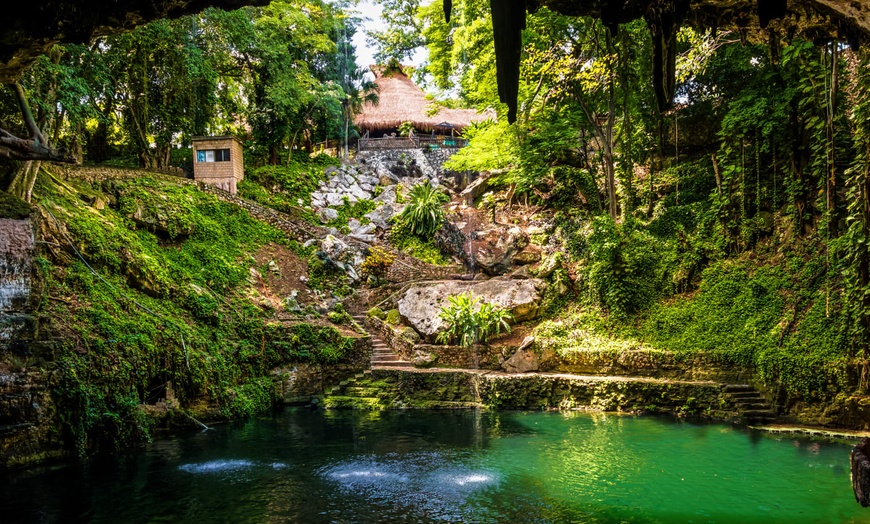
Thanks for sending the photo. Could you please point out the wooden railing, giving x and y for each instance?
(410, 142)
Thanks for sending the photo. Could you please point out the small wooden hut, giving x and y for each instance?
(217, 160)
(400, 101)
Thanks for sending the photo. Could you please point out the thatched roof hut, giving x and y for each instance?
(400, 101)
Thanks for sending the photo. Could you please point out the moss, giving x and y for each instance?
(13, 207)
(164, 307)
(393, 317)
(376, 312)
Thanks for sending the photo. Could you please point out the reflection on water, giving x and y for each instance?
(311, 467)
(437, 484)
(216, 466)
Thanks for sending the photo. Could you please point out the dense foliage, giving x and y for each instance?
(284, 76)
(472, 321)
(159, 297)
(764, 162)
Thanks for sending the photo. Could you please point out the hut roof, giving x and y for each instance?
(400, 101)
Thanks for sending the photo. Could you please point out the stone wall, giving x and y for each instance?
(29, 431)
(550, 391)
(477, 357)
(407, 269)
(299, 383)
(403, 346)
(653, 364)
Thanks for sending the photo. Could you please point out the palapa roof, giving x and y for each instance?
(400, 101)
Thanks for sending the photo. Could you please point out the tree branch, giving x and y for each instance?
(16, 148)
(28, 115)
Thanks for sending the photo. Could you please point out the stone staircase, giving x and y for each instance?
(753, 408)
(382, 354)
(363, 391)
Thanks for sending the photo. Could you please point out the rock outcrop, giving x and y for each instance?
(421, 304)
(494, 247)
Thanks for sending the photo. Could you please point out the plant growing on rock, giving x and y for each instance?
(377, 263)
(423, 215)
(490, 203)
(470, 320)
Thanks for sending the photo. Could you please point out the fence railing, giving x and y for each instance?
(411, 142)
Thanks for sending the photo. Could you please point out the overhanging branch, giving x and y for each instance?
(16, 148)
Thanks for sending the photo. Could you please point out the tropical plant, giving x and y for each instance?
(470, 320)
(406, 129)
(377, 263)
(423, 215)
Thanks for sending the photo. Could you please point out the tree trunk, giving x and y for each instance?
(831, 185)
(22, 184)
(608, 145)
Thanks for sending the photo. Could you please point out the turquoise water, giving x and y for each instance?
(415, 466)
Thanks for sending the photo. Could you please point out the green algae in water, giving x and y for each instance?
(344, 466)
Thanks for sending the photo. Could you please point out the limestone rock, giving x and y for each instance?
(421, 304)
(549, 265)
(327, 214)
(388, 195)
(333, 247)
(496, 246)
(529, 255)
(333, 199)
(522, 361)
(423, 359)
(381, 216)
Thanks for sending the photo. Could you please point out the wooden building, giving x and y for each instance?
(401, 101)
(218, 160)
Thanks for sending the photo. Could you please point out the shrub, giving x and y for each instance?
(377, 263)
(625, 271)
(336, 317)
(376, 312)
(423, 215)
(393, 317)
(470, 320)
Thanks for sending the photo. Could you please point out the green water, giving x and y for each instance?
(311, 467)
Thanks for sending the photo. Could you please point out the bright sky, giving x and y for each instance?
(371, 15)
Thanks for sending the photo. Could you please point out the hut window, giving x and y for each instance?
(213, 155)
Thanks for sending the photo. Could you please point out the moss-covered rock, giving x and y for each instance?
(13, 207)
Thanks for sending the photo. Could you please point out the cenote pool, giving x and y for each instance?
(415, 466)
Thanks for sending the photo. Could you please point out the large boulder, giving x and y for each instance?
(421, 304)
(495, 246)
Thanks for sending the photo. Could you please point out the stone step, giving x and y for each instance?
(752, 406)
(733, 388)
(395, 363)
(746, 394)
(756, 413)
(361, 391)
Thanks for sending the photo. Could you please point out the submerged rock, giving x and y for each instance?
(421, 304)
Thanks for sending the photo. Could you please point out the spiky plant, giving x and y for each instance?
(423, 215)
